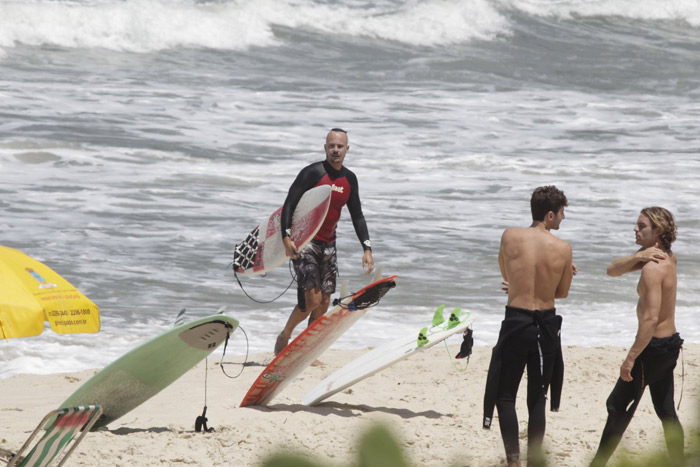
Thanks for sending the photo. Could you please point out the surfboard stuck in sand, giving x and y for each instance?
(390, 353)
(313, 341)
(144, 371)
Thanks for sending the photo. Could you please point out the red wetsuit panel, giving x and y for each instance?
(344, 191)
(340, 193)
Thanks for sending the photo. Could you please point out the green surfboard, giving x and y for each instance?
(146, 370)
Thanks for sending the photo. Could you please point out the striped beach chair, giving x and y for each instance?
(62, 426)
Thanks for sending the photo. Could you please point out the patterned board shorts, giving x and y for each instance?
(317, 267)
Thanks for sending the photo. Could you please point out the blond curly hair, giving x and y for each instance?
(663, 220)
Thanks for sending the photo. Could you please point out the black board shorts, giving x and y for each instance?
(317, 267)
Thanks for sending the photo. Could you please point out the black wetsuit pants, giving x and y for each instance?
(525, 349)
(653, 368)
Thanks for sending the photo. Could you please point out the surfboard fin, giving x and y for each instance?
(344, 293)
(221, 310)
(378, 273)
(423, 337)
(438, 319)
(180, 318)
(454, 318)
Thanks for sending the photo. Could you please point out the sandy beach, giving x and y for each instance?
(434, 411)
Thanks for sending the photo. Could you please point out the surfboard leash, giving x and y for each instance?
(339, 301)
(368, 299)
(465, 350)
(247, 349)
(200, 423)
(294, 278)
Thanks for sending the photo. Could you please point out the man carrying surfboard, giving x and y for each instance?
(316, 265)
(537, 268)
(654, 353)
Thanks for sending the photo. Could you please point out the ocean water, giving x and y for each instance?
(141, 139)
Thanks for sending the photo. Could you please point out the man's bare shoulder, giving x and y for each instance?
(528, 232)
(561, 243)
(653, 270)
(512, 232)
(657, 275)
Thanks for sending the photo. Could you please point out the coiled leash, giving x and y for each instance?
(200, 423)
(291, 273)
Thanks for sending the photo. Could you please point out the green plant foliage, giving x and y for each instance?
(289, 460)
(378, 448)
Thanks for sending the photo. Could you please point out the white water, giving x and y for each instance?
(139, 140)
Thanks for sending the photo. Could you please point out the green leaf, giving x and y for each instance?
(289, 460)
(378, 448)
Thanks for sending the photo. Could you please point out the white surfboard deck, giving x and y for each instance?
(380, 358)
(263, 249)
(308, 345)
(144, 371)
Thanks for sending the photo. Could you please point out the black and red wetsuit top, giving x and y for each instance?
(344, 190)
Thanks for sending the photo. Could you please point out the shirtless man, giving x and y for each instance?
(652, 358)
(316, 265)
(537, 268)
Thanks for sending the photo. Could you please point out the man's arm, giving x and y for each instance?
(502, 261)
(359, 223)
(300, 186)
(296, 191)
(356, 214)
(648, 310)
(635, 261)
(307, 178)
(502, 266)
(567, 275)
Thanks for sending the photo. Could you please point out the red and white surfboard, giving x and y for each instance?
(263, 249)
(313, 341)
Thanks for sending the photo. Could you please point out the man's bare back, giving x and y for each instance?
(536, 266)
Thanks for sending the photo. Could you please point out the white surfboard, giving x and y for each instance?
(382, 357)
(313, 341)
(263, 249)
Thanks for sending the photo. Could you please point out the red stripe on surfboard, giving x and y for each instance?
(304, 227)
(273, 224)
(309, 339)
(267, 382)
(308, 223)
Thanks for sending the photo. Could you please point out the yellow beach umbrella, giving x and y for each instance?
(31, 293)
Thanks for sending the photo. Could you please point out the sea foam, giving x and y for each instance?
(152, 25)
